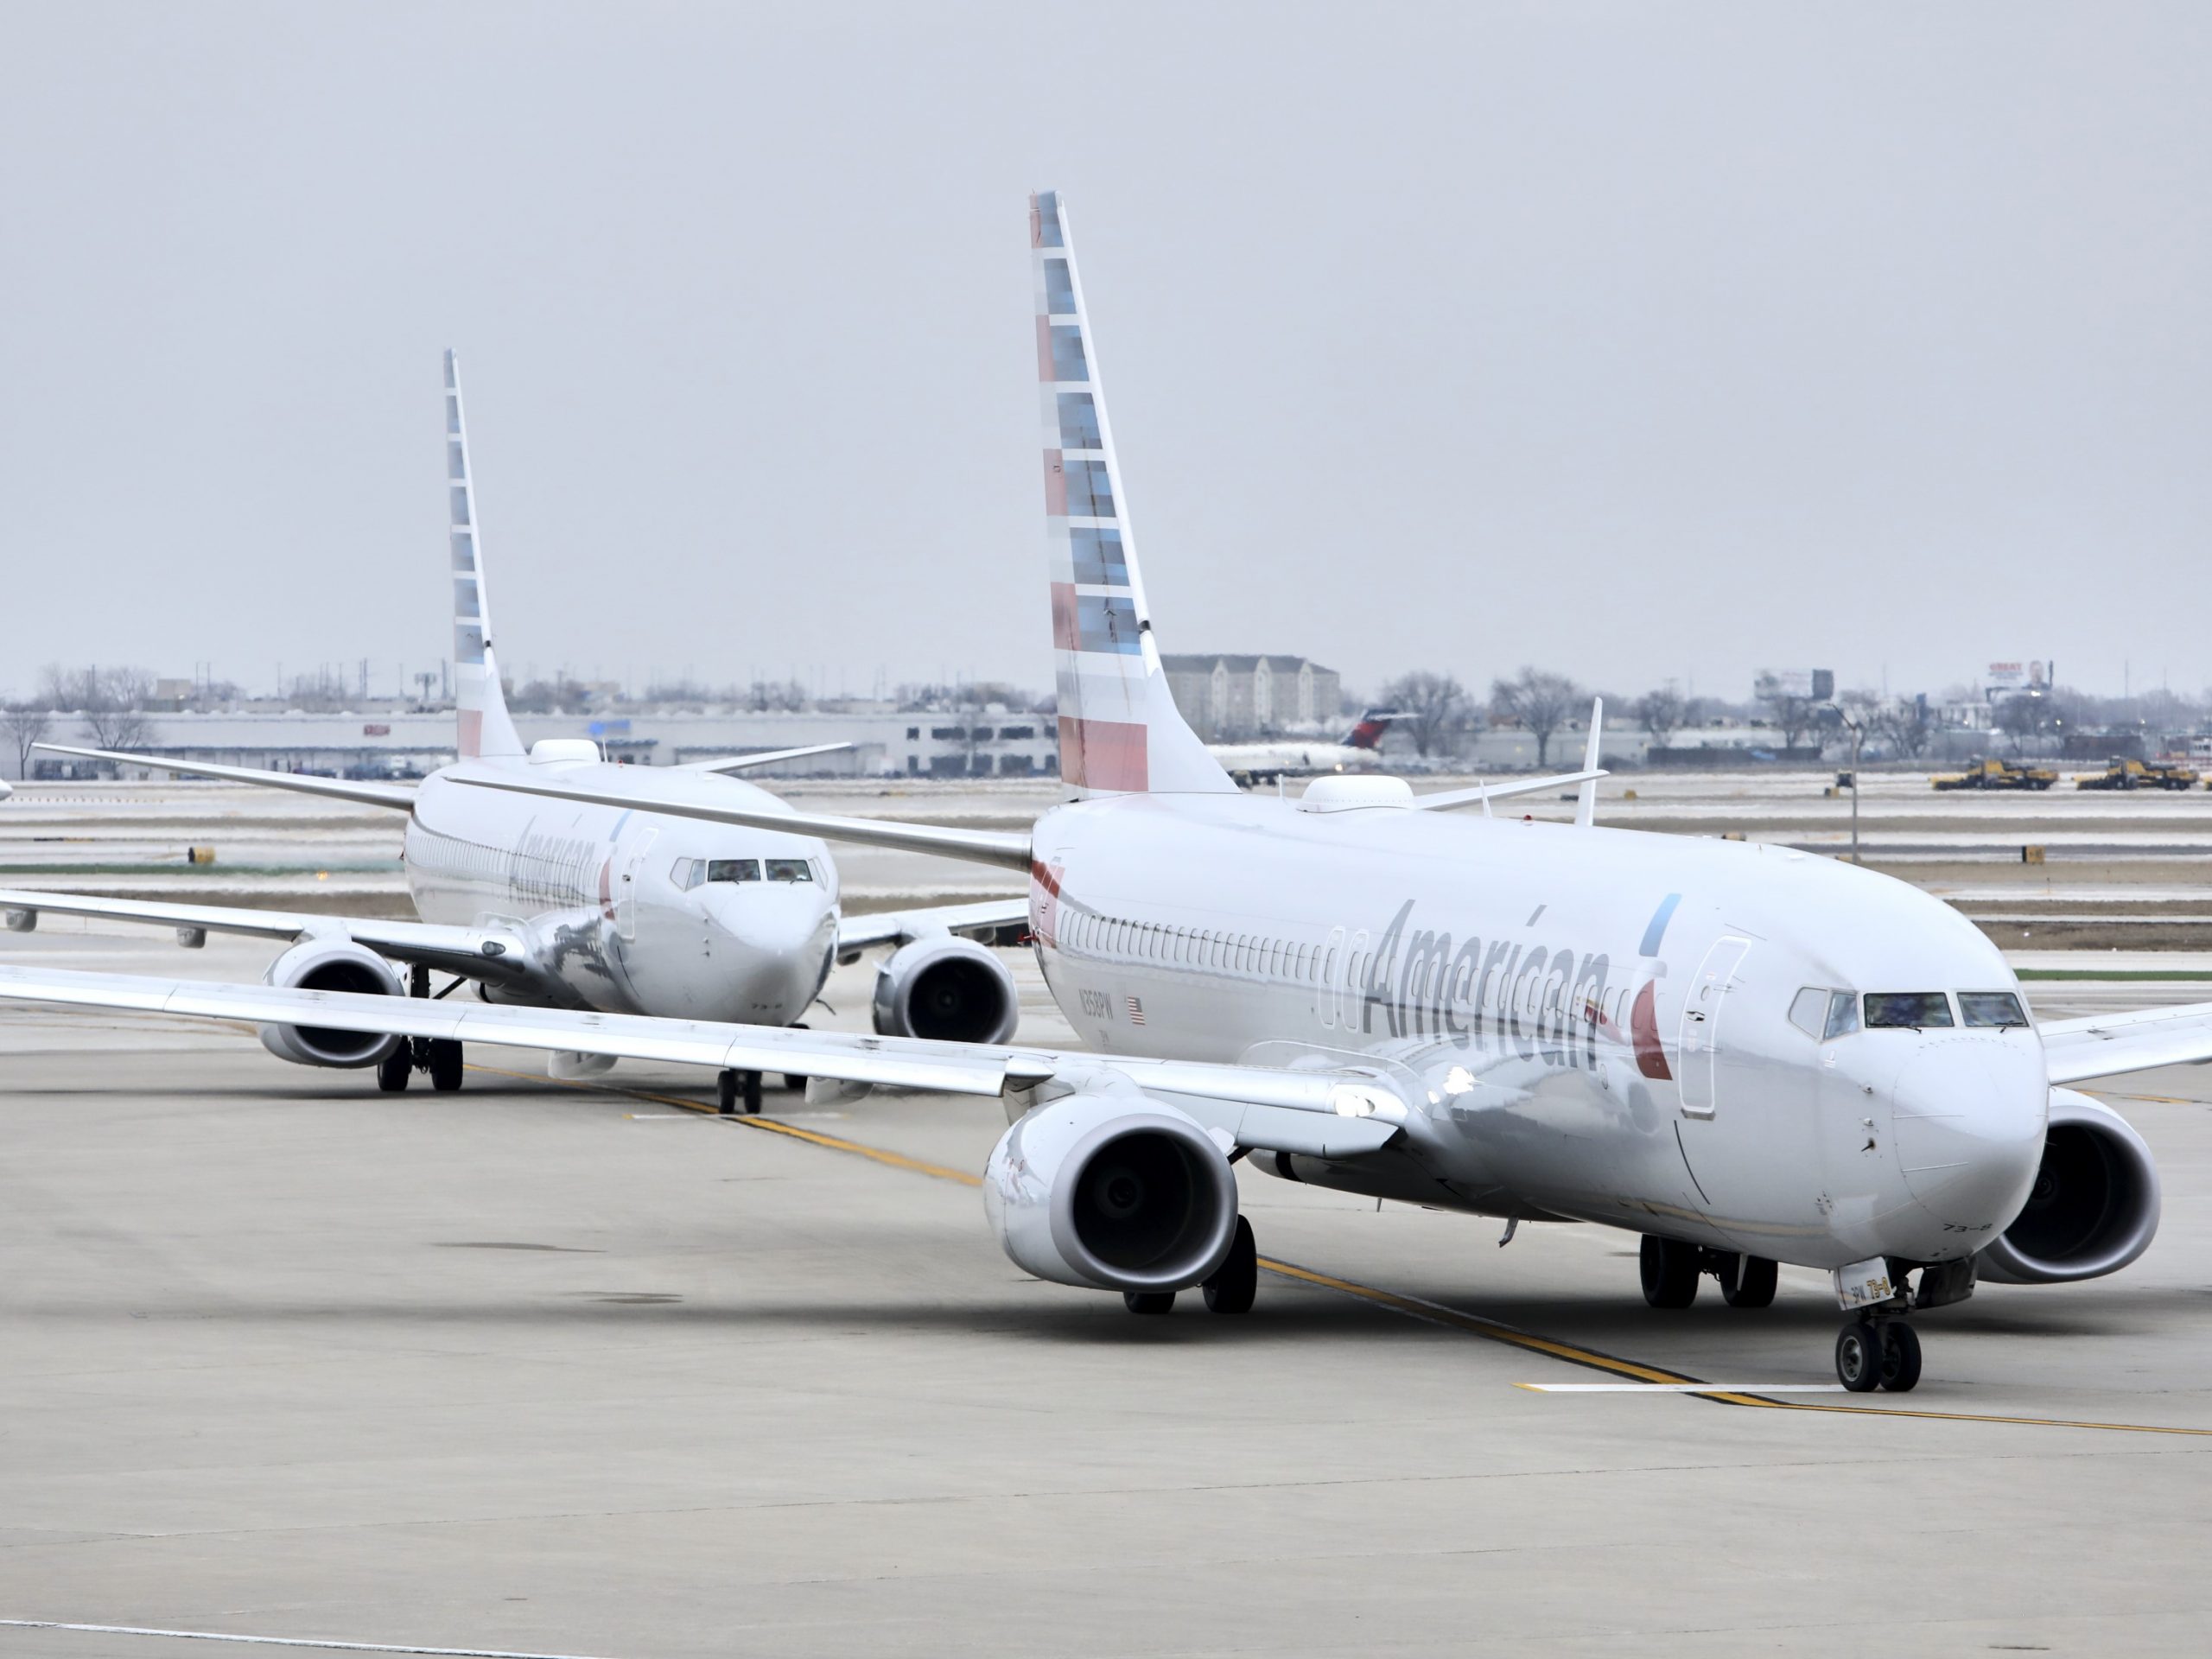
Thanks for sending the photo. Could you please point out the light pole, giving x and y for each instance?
(1858, 730)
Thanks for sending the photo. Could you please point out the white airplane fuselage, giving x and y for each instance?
(1290, 757)
(615, 918)
(1592, 1024)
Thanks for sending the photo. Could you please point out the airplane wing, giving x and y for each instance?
(898, 926)
(1445, 799)
(765, 758)
(2109, 1045)
(1320, 1114)
(335, 789)
(999, 846)
(473, 952)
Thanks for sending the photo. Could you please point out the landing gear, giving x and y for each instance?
(1873, 1354)
(1669, 1271)
(1148, 1301)
(731, 1087)
(1859, 1357)
(1237, 1281)
(392, 1071)
(1748, 1280)
(444, 1064)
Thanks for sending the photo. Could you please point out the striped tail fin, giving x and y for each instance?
(1120, 731)
(480, 705)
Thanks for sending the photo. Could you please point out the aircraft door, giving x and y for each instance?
(1699, 1040)
(625, 894)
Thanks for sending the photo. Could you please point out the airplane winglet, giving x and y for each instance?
(1586, 802)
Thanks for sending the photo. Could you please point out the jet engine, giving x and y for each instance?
(950, 988)
(331, 965)
(1106, 1189)
(2095, 1205)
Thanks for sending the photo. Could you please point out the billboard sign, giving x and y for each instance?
(1809, 684)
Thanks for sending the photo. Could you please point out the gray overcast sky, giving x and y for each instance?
(1640, 341)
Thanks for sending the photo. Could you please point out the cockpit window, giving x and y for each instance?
(688, 873)
(1991, 1008)
(789, 869)
(1823, 1014)
(1912, 1010)
(1809, 1011)
(1843, 1015)
(733, 869)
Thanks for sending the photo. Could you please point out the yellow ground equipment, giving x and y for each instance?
(2138, 774)
(1992, 773)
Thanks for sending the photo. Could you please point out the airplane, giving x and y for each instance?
(611, 908)
(1745, 1054)
(1290, 757)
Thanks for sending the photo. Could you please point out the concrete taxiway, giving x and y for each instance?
(560, 1370)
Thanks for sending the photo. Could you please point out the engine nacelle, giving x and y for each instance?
(2094, 1208)
(949, 989)
(1106, 1189)
(331, 965)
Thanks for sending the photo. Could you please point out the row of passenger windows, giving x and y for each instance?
(689, 873)
(1106, 936)
(1823, 1014)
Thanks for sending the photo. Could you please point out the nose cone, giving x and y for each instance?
(1969, 1114)
(777, 939)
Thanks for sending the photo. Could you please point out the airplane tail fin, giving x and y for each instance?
(1120, 730)
(1368, 733)
(480, 705)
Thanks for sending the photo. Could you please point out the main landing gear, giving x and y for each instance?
(1231, 1290)
(731, 1087)
(1671, 1271)
(439, 1056)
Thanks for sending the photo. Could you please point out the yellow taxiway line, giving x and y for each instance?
(1411, 1307)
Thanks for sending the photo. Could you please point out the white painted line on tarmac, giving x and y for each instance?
(280, 1641)
(1682, 1387)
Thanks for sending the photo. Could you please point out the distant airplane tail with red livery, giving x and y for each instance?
(1120, 731)
(1368, 733)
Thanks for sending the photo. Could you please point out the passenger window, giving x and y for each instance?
(2000, 1008)
(1809, 1012)
(1843, 1015)
(789, 869)
(733, 870)
(1907, 1010)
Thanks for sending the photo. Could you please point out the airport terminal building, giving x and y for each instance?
(408, 742)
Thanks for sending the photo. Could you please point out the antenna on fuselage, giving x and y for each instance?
(1585, 799)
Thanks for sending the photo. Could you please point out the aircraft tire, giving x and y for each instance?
(1148, 1301)
(725, 1092)
(1859, 1357)
(445, 1065)
(749, 1086)
(1231, 1290)
(793, 1082)
(393, 1071)
(1748, 1280)
(1669, 1271)
(1900, 1356)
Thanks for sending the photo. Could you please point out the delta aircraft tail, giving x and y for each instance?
(1120, 731)
(480, 705)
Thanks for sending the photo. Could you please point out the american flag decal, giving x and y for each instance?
(1136, 1010)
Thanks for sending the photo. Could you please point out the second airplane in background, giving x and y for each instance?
(613, 908)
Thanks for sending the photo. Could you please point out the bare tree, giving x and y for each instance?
(111, 701)
(1905, 726)
(1541, 702)
(1662, 714)
(26, 725)
(1792, 716)
(1431, 709)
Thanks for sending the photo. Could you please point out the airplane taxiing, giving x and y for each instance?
(609, 907)
(1748, 1055)
(1263, 762)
